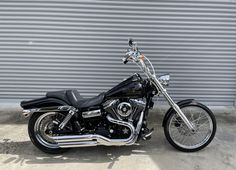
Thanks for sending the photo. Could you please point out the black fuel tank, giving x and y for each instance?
(131, 87)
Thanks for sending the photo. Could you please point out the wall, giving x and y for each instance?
(59, 44)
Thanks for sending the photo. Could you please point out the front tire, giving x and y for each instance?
(178, 134)
(40, 140)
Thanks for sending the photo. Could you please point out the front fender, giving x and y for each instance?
(180, 104)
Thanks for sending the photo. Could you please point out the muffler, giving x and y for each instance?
(95, 139)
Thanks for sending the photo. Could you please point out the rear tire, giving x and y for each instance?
(54, 149)
(175, 140)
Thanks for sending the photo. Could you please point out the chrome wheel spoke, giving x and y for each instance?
(182, 136)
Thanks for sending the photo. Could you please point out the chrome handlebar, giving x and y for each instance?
(138, 58)
(140, 61)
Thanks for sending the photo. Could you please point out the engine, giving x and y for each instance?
(125, 109)
(122, 110)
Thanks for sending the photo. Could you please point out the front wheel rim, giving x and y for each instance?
(184, 137)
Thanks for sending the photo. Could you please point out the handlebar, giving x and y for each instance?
(133, 54)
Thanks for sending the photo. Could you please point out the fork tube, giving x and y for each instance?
(158, 85)
(171, 102)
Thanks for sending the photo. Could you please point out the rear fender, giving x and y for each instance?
(180, 104)
(42, 102)
(62, 109)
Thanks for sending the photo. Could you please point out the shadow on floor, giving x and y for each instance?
(24, 152)
(219, 153)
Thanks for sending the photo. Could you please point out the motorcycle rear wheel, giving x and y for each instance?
(37, 130)
(181, 137)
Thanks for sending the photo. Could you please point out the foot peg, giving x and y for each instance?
(147, 133)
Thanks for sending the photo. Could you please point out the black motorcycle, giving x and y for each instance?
(64, 119)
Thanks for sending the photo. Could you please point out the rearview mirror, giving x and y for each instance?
(131, 42)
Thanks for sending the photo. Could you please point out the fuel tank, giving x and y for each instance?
(132, 87)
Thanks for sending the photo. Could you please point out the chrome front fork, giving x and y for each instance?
(172, 103)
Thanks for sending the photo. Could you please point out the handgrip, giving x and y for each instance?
(125, 59)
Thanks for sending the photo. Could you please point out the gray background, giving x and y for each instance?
(58, 44)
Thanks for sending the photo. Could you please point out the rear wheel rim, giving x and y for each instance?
(182, 136)
(40, 128)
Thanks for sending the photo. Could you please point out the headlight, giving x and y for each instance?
(164, 79)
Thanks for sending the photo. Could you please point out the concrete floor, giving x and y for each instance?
(17, 152)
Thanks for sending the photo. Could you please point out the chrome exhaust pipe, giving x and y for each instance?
(95, 139)
(77, 144)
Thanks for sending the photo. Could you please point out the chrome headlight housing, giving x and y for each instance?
(164, 79)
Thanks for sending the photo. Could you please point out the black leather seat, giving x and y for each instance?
(61, 95)
(73, 97)
(79, 102)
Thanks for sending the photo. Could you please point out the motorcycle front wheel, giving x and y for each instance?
(181, 137)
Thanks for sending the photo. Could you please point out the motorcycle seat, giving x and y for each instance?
(73, 98)
(81, 103)
(61, 95)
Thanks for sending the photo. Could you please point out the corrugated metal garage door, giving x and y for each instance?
(54, 44)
